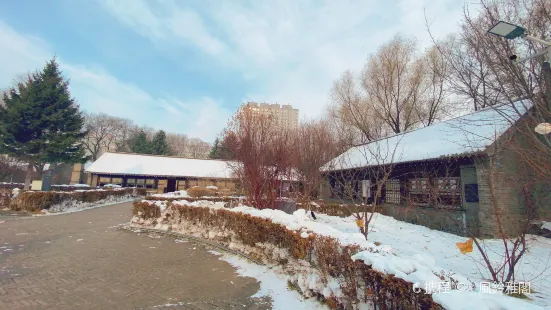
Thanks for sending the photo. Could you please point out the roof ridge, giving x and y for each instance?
(442, 122)
(166, 156)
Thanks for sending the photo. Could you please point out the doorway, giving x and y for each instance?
(171, 185)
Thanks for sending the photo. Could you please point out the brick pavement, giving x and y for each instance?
(82, 261)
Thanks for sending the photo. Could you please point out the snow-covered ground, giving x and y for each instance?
(172, 194)
(273, 283)
(72, 206)
(418, 254)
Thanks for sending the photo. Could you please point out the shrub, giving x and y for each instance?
(11, 185)
(358, 282)
(201, 192)
(5, 197)
(31, 201)
(70, 188)
(191, 199)
(342, 210)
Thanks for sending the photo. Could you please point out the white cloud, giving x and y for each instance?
(164, 22)
(292, 51)
(96, 90)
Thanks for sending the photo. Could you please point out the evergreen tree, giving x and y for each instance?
(214, 152)
(159, 144)
(40, 122)
(220, 149)
(140, 144)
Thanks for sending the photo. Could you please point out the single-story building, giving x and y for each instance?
(161, 174)
(452, 175)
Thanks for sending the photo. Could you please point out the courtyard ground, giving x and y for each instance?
(83, 261)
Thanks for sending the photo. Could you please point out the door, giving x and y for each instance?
(171, 185)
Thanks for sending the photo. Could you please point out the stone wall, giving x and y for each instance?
(451, 221)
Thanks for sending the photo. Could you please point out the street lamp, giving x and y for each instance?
(506, 30)
(543, 129)
(509, 31)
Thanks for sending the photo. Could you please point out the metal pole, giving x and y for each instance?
(537, 40)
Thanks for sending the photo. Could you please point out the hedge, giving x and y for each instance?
(68, 188)
(342, 210)
(358, 282)
(191, 199)
(31, 201)
(11, 185)
(5, 197)
(201, 192)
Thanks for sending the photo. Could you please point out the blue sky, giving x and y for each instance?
(185, 65)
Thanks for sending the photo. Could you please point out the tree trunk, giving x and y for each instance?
(28, 176)
(546, 70)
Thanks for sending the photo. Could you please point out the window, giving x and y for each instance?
(420, 185)
(117, 181)
(150, 183)
(392, 187)
(140, 183)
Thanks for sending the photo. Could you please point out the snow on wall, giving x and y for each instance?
(463, 135)
(137, 164)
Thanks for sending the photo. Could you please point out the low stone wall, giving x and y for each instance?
(452, 221)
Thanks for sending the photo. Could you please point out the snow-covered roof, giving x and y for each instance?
(151, 165)
(465, 135)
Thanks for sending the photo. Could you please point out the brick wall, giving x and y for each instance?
(520, 194)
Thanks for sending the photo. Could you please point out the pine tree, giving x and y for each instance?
(159, 144)
(140, 144)
(40, 122)
(215, 150)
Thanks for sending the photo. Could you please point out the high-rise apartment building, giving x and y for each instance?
(284, 115)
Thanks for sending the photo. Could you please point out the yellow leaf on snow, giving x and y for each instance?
(465, 247)
(360, 223)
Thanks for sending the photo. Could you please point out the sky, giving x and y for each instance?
(186, 65)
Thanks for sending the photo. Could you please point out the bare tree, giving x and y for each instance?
(359, 177)
(264, 155)
(398, 90)
(355, 117)
(10, 166)
(99, 129)
(198, 148)
(318, 144)
(179, 144)
(393, 80)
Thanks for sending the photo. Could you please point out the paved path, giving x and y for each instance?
(82, 261)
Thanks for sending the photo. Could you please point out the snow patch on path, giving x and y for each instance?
(272, 284)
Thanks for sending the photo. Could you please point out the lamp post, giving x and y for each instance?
(510, 31)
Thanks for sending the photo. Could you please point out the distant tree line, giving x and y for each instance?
(111, 133)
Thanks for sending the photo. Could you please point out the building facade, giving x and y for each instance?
(161, 174)
(452, 176)
(284, 115)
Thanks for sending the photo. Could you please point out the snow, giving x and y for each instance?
(112, 186)
(181, 193)
(459, 136)
(546, 225)
(72, 206)
(480, 301)
(411, 252)
(273, 283)
(212, 187)
(73, 185)
(136, 164)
